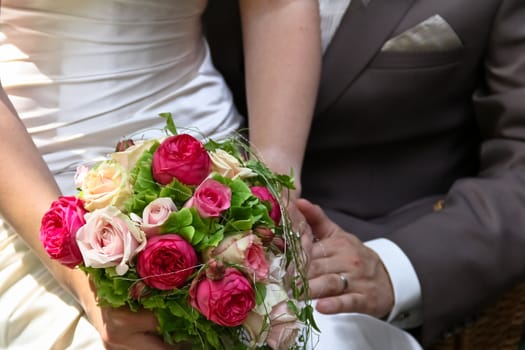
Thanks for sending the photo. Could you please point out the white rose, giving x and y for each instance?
(128, 158)
(228, 166)
(106, 184)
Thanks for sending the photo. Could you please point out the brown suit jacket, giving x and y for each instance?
(395, 132)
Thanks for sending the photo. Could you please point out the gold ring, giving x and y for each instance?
(344, 280)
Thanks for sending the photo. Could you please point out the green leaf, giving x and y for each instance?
(231, 146)
(177, 191)
(145, 188)
(170, 125)
(177, 221)
(260, 293)
(199, 232)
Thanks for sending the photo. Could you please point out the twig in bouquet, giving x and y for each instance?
(143, 278)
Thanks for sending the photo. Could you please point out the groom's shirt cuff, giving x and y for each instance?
(407, 310)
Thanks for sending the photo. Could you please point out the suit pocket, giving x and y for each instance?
(415, 60)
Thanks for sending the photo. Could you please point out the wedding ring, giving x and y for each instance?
(344, 280)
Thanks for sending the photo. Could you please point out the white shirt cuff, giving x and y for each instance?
(406, 312)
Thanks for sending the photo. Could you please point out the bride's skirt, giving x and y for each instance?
(35, 312)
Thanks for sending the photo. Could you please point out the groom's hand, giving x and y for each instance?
(344, 274)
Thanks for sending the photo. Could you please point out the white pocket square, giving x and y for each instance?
(433, 34)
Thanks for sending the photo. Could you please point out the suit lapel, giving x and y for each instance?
(361, 34)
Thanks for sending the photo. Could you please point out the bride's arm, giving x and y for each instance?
(27, 188)
(282, 44)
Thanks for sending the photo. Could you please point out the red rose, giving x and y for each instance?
(166, 262)
(183, 157)
(264, 194)
(59, 228)
(227, 301)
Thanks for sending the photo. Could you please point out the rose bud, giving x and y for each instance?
(138, 290)
(279, 243)
(123, 145)
(215, 270)
(265, 234)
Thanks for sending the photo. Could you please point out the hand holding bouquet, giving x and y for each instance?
(196, 233)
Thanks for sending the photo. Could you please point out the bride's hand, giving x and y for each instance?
(122, 329)
(344, 274)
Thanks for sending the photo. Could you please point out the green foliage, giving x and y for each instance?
(246, 210)
(145, 188)
(177, 191)
(112, 289)
(200, 232)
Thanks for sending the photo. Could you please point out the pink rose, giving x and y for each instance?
(166, 262)
(59, 227)
(183, 157)
(284, 327)
(109, 238)
(226, 302)
(211, 198)
(264, 194)
(155, 214)
(245, 249)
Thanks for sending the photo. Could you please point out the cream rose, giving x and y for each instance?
(228, 166)
(129, 157)
(256, 325)
(280, 328)
(244, 249)
(104, 185)
(284, 327)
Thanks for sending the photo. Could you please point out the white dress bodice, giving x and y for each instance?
(83, 74)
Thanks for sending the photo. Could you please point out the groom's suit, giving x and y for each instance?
(419, 137)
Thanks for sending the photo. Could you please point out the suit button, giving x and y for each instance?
(439, 205)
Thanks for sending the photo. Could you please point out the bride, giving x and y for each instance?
(80, 75)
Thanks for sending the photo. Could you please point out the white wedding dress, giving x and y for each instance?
(82, 75)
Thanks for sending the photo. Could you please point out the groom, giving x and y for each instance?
(417, 148)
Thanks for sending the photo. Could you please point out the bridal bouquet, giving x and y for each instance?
(195, 232)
